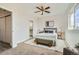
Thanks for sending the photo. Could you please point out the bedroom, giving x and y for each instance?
(54, 21)
(60, 25)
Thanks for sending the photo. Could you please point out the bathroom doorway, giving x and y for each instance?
(31, 29)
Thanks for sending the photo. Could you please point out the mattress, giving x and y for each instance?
(48, 36)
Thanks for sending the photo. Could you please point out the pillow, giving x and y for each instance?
(67, 51)
(73, 49)
(46, 31)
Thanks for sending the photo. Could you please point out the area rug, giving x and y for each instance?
(56, 48)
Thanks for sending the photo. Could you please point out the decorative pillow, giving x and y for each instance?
(73, 49)
(67, 51)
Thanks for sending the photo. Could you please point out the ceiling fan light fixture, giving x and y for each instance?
(43, 9)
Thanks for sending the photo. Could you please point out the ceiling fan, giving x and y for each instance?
(43, 9)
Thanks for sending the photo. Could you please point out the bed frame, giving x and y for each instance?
(45, 42)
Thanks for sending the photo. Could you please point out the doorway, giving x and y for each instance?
(31, 29)
(5, 29)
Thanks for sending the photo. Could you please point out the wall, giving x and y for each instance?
(60, 22)
(72, 37)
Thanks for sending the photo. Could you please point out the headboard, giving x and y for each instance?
(50, 30)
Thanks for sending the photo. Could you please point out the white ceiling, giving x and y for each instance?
(30, 8)
(55, 8)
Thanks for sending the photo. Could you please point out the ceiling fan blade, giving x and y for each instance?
(37, 11)
(47, 11)
(39, 8)
(47, 8)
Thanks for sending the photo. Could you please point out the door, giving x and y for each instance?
(2, 29)
(8, 29)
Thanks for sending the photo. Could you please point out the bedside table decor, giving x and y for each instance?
(60, 35)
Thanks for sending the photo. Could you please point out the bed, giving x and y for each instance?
(47, 37)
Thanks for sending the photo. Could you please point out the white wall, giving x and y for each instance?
(72, 37)
(60, 22)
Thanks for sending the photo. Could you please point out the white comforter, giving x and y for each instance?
(48, 36)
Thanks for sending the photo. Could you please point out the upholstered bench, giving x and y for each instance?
(44, 42)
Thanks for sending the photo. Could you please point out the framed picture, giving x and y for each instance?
(49, 23)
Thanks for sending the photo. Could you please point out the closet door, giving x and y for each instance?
(2, 29)
(8, 31)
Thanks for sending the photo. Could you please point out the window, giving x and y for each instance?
(77, 16)
(71, 21)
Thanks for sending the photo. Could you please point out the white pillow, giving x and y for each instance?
(73, 49)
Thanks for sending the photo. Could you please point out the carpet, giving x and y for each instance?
(26, 49)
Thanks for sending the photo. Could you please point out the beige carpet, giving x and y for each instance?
(26, 49)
